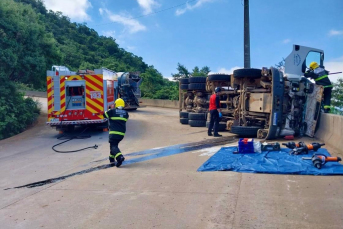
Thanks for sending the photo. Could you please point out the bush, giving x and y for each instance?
(16, 112)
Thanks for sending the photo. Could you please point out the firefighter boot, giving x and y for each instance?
(111, 158)
(120, 159)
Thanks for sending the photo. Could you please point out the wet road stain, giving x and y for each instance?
(149, 155)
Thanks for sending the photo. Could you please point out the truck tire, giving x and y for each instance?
(197, 79)
(197, 123)
(184, 86)
(183, 114)
(184, 81)
(222, 126)
(184, 120)
(197, 86)
(245, 131)
(197, 116)
(251, 73)
(219, 77)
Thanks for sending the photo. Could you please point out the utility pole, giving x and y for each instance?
(246, 35)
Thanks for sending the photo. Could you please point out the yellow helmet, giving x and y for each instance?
(314, 65)
(120, 103)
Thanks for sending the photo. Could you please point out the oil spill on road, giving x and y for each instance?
(150, 154)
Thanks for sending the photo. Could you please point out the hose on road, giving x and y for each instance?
(69, 138)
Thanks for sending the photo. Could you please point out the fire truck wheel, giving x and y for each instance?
(197, 86)
(219, 77)
(245, 131)
(183, 114)
(184, 81)
(197, 79)
(184, 120)
(197, 123)
(250, 73)
(197, 116)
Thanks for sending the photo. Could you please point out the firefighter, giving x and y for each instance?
(320, 76)
(215, 113)
(117, 118)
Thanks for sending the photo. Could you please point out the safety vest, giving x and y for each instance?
(117, 119)
(321, 77)
(213, 105)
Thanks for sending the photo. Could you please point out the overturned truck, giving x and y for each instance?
(268, 102)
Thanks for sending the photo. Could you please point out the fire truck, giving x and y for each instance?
(82, 97)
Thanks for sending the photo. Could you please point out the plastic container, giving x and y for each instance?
(246, 145)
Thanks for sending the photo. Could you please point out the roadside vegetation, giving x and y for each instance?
(32, 39)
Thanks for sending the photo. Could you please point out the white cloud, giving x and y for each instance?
(334, 65)
(109, 33)
(191, 7)
(101, 11)
(148, 5)
(286, 41)
(75, 9)
(226, 71)
(335, 32)
(131, 48)
(131, 25)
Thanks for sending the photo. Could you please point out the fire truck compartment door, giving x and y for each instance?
(75, 94)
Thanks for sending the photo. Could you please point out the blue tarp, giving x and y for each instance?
(273, 162)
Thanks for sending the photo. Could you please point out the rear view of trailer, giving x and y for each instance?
(79, 98)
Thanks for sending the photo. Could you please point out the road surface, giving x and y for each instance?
(163, 192)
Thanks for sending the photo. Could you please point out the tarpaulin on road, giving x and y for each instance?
(272, 162)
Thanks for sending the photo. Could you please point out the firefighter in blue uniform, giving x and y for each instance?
(117, 118)
(320, 76)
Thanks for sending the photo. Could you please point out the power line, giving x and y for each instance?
(155, 12)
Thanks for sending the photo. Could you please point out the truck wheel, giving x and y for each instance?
(245, 131)
(251, 73)
(197, 86)
(219, 77)
(197, 79)
(184, 81)
(184, 86)
(184, 120)
(197, 123)
(183, 114)
(222, 126)
(197, 116)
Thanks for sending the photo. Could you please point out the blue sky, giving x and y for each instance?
(210, 32)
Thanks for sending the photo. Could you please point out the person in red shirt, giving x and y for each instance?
(215, 112)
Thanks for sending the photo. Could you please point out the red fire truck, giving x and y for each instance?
(79, 98)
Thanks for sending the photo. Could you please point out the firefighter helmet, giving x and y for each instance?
(120, 103)
(314, 65)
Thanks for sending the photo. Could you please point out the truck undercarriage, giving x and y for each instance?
(267, 103)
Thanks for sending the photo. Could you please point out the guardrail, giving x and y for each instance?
(331, 131)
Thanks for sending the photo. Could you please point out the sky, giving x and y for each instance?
(210, 32)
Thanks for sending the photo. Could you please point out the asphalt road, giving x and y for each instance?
(164, 192)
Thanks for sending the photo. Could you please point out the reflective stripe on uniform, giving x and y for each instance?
(327, 107)
(119, 118)
(328, 86)
(118, 154)
(106, 114)
(117, 132)
(112, 156)
(320, 78)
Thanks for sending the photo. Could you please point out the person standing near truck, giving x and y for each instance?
(117, 118)
(215, 113)
(320, 76)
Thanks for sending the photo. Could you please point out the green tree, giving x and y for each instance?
(182, 72)
(337, 97)
(203, 72)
